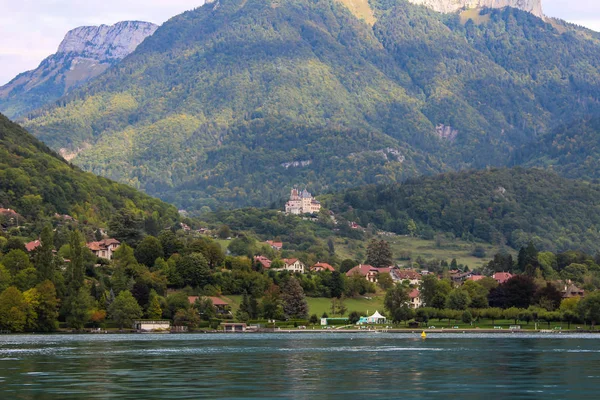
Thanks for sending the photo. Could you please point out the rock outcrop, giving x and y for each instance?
(84, 53)
(449, 6)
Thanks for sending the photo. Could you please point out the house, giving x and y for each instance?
(234, 327)
(293, 265)
(367, 271)
(502, 277)
(275, 245)
(570, 290)
(220, 305)
(152, 325)
(401, 275)
(460, 276)
(415, 298)
(185, 227)
(302, 202)
(320, 267)
(104, 248)
(31, 246)
(64, 217)
(264, 261)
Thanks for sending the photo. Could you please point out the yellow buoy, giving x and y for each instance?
(423, 335)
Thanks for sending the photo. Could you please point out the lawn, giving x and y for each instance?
(320, 305)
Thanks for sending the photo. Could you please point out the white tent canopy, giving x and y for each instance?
(376, 318)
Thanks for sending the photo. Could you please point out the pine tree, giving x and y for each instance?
(154, 310)
(294, 301)
(44, 259)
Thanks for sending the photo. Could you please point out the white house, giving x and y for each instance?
(104, 248)
(415, 299)
(294, 265)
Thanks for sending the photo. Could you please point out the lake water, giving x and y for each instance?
(515, 366)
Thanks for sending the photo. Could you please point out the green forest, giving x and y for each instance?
(37, 184)
(211, 110)
(502, 206)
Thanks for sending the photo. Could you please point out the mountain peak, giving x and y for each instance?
(107, 42)
(84, 53)
(448, 6)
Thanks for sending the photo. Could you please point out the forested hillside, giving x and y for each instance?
(502, 206)
(234, 102)
(36, 182)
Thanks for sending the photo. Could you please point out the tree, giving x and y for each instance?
(458, 299)
(47, 307)
(313, 319)
(75, 269)
(385, 281)
(16, 261)
(44, 259)
(224, 232)
(589, 308)
(205, 308)
(193, 269)
(467, 317)
(396, 303)
(154, 309)
(77, 309)
(271, 304)
(379, 254)
(214, 254)
(347, 265)
(124, 309)
(26, 279)
(548, 297)
(5, 278)
(411, 227)
(336, 284)
(187, 318)
(127, 227)
(148, 251)
(354, 317)
(294, 301)
(171, 244)
(518, 292)
(13, 310)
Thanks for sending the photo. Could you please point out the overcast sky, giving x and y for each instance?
(31, 30)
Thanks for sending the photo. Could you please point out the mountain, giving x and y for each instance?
(234, 102)
(502, 206)
(85, 53)
(450, 6)
(37, 182)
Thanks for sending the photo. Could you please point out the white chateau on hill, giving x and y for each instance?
(302, 203)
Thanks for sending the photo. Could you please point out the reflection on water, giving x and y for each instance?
(298, 366)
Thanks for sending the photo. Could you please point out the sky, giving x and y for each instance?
(31, 30)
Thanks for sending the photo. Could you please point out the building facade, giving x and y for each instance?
(302, 202)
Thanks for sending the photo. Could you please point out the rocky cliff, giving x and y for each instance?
(85, 53)
(448, 6)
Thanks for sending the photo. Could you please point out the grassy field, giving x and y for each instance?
(320, 305)
(443, 249)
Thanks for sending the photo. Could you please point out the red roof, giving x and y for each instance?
(215, 300)
(475, 278)
(409, 274)
(265, 262)
(414, 293)
(276, 245)
(218, 302)
(324, 266)
(289, 261)
(31, 246)
(502, 277)
(362, 269)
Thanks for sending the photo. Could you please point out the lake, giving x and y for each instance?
(306, 365)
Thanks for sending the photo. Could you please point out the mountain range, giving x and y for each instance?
(85, 53)
(234, 102)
